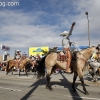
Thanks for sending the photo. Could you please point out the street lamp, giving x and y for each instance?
(88, 29)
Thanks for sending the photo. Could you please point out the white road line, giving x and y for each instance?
(10, 89)
(82, 97)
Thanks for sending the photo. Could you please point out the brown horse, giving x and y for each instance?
(23, 64)
(78, 66)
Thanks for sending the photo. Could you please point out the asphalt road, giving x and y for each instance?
(13, 87)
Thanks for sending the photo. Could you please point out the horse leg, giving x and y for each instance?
(95, 77)
(26, 72)
(48, 83)
(48, 79)
(99, 71)
(19, 71)
(82, 81)
(74, 79)
(7, 72)
(80, 74)
(12, 70)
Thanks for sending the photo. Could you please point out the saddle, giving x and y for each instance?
(61, 57)
(74, 57)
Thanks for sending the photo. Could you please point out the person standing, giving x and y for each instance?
(66, 47)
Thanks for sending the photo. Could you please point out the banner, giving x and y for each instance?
(5, 48)
(34, 51)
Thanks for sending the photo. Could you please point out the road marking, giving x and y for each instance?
(82, 97)
(10, 89)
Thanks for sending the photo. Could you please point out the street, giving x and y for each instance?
(15, 87)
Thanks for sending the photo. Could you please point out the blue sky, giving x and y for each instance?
(40, 22)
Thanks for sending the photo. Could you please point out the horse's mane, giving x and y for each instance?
(86, 49)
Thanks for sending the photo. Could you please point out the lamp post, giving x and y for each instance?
(88, 29)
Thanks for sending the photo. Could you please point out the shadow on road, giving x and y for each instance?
(64, 82)
(36, 84)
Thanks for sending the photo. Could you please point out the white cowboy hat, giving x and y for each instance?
(64, 33)
(18, 50)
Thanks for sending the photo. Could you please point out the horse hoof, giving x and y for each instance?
(86, 93)
(49, 87)
(74, 90)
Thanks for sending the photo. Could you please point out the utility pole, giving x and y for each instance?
(88, 29)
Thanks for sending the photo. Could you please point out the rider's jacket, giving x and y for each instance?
(18, 56)
(94, 56)
(66, 41)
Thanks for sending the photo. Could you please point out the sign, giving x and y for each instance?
(83, 47)
(34, 51)
(5, 48)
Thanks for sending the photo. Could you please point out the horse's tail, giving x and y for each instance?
(41, 68)
(7, 68)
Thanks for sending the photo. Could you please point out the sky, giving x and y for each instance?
(36, 23)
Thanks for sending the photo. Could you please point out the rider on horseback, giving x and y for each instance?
(24, 56)
(66, 47)
(94, 55)
(17, 58)
(93, 62)
(17, 55)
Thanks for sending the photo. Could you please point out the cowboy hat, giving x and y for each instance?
(18, 50)
(64, 33)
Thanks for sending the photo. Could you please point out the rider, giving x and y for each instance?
(18, 55)
(94, 55)
(17, 58)
(93, 61)
(24, 55)
(66, 46)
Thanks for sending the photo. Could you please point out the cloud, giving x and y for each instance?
(18, 30)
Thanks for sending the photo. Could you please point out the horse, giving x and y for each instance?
(50, 62)
(98, 71)
(94, 69)
(23, 64)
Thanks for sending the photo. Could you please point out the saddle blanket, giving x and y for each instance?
(61, 57)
